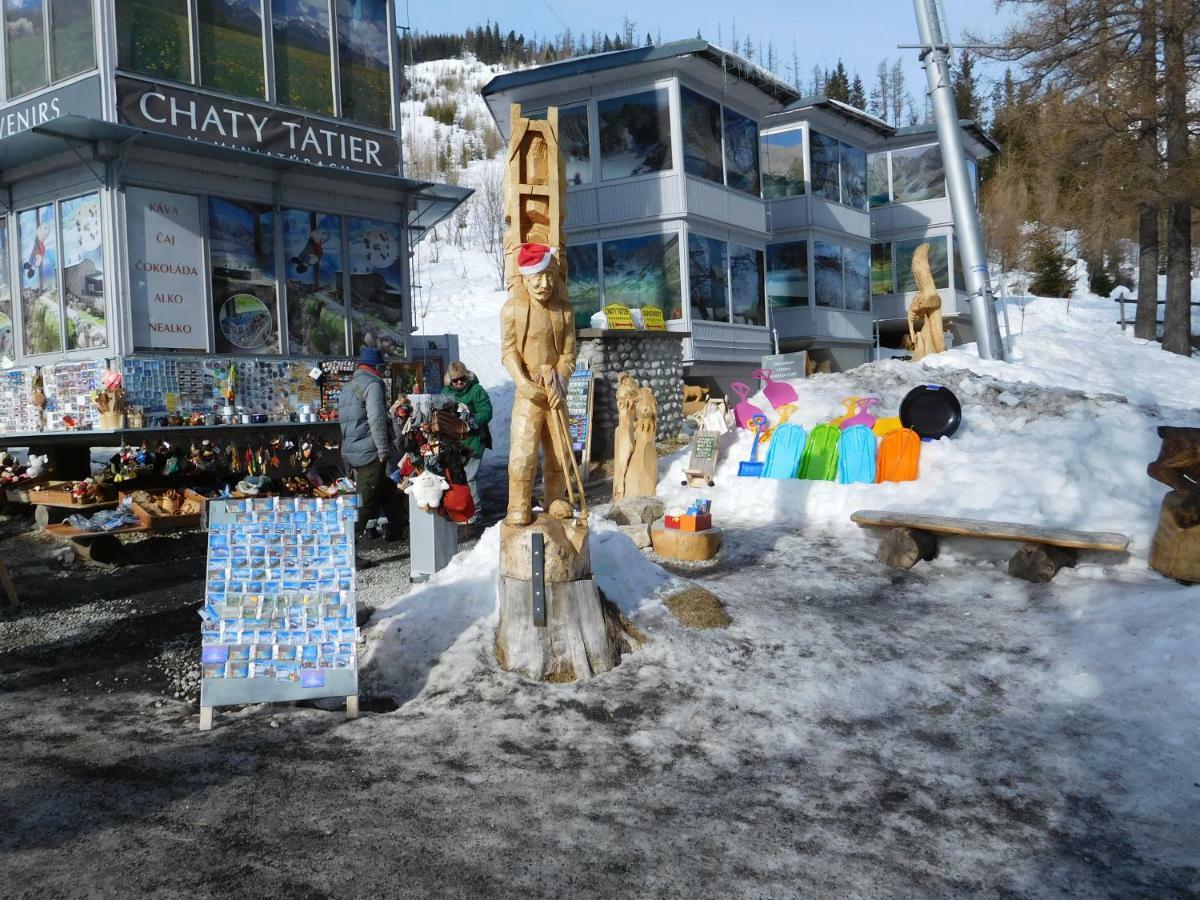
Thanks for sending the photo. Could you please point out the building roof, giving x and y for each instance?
(968, 125)
(774, 87)
(843, 109)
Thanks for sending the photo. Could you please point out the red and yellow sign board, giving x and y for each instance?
(618, 316)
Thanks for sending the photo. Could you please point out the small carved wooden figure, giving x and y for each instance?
(641, 479)
(627, 392)
(925, 308)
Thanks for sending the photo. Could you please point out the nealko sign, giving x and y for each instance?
(231, 123)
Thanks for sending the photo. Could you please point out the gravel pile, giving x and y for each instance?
(179, 662)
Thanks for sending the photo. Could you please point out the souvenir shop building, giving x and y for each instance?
(190, 183)
(752, 216)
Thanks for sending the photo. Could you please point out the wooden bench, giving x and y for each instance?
(913, 537)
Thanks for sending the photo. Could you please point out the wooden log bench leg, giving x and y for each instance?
(44, 514)
(206, 718)
(104, 549)
(1039, 563)
(903, 548)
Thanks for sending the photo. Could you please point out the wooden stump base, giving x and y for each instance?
(1039, 563)
(1175, 552)
(903, 548)
(689, 546)
(575, 642)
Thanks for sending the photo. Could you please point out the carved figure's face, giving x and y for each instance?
(540, 285)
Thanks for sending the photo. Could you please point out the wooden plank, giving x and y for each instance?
(67, 533)
(10, 590)
(1000, 531)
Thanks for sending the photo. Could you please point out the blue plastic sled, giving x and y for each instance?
(783, 456)
(856, 455)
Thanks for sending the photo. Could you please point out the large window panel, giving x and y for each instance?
(575, 143)
(24, 45)
(644, 271)
(583, 282)
(827, 260)
(8, 347)
(363, 61)
(72, 41)
(241, 239)
(741, 153)
(787, 274)
(316, 312)
(152, 38)
(783, 164)
(856, 280)
(376, 285)
(917, 174)
(708, 266)
(41, 318)
(877, 179)
(854, 177)
(701, 135)
(825, 178)
(881, 269)
(635, 134)
(303, 72)
(937, 262)
(231, 46)
(83, 273)
(746, 279)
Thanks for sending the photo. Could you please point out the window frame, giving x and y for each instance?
(807, 241)
(806, 184)
(673, 112)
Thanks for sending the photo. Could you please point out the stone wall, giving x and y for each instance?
(654, 358)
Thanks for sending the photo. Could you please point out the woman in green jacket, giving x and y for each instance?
(463, 386)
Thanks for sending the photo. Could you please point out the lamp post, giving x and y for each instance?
(934, 57)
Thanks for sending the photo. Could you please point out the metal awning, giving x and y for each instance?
(429, 202)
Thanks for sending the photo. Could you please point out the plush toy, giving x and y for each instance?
(37, 465)
(313, 250)
(428, 489)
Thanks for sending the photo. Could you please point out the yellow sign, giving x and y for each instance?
(652, 318)
(618, 316)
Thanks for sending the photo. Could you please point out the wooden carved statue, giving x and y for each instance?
(641, 478)
(627, 392)
(925, 309)
(1176, 548)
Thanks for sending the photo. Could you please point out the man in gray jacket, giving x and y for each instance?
(366, 443)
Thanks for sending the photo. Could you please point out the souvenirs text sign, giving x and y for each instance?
(166, 270)
(249, 126)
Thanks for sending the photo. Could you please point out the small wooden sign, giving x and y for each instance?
(619, 316)
(702, 463)
(652, 318)
(785, 366)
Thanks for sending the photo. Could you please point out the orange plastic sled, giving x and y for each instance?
(899, 456)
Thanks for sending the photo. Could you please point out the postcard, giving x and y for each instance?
(239, 652)
(312, 678)
(214, 670)
(264, 669)
(237, 669)
(210, 636)
(214, 654)
(286, 652)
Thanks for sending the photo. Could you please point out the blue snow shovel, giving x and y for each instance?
(752, 468)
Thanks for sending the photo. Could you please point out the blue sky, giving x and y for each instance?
(861, 32)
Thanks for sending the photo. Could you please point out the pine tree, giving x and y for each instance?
(1049, 267)
(881, 93)
(607, 45)
(649, 40)
(857, 97)
(965, 83)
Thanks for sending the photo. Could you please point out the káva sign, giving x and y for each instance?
(248, 126)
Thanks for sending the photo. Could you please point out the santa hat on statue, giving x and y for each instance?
(534, 258)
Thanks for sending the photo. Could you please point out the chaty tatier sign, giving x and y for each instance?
(231, 123)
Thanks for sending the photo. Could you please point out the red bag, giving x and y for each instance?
(457, 503)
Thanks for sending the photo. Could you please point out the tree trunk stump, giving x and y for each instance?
(44, 514)
(582, 636)
(1175, 552)
(903, 548)
(1039, 563)
(105, 549)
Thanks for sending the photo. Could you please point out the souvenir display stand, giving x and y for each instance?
(279, 619)
(432, 541)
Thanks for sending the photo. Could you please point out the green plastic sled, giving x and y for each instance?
(820, 459)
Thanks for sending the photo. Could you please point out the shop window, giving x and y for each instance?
(881, 270)
(960, 279)
(787, 274)
(72, 41)
(303, 74)
(241, 240)
(231, 47)
(856, 278)
(376, 285)
(635, 134)
(741, 152)
(783, 164)
(41, 317)
(8, 348)
(363, 61)
(877, 179)
(827, 260)
(152, 38)
(708, 278)
(918, 174)
(575, 143)
(83, 273)
(746, 284)
(825, 178)
(701, 135)
(973, 178)
(583, 282)
(644, 271)
(25, 45)
(854, 176)
(316, 311)
(937, 262)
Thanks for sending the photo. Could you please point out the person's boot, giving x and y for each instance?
(520, 500)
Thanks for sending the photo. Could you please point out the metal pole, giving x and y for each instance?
(935, 47)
